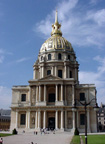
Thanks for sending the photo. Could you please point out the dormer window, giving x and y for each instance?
(59, 56)
(49, 56)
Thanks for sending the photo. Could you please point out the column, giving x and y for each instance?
(36, 93)
(55, 70)
(44, 93)
(56, 119)
(75, 74)
(44, 120)
(56, 92)
(42, 71)
(28, 119)
(36, 119)
(39, 119)
(65, 119)
(72, 95)
(65, 71)
(68, 72)
(62, 119)
(73, 119)
(39, 93)
(52, 70)
(77, 119)
(65, 96)
(34, 74)
(29, 96)
(16, 119)
(88, 119)
(61, 92)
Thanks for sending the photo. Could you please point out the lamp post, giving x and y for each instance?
(85, 104)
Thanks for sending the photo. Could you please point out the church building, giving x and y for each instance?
(53, 97)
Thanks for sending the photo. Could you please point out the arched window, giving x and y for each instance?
(49, 56)
(41, 58)
(48, 72)
(59, 56)
(82, 96)
(60, 73)
(23, 97)
(68, 57)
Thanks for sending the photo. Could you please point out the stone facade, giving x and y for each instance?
(48, 101)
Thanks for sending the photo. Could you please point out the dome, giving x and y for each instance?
(56, 41)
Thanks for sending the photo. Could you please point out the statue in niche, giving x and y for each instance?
(33, 119)
(33, 95)
(69, 94)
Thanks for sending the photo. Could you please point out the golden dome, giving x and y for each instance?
(56, 41)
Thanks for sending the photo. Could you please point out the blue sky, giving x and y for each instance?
(26, 24)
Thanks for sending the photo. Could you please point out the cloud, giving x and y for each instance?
(82, 26)
(22, 60)
(5, 97)
(3, 53)
(98, 78)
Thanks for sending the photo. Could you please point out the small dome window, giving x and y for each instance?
(59, 56)
(49, 56)
(41, 58)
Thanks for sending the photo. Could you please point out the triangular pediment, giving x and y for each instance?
(50, 77)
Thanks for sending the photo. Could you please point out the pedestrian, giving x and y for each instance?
(1, 141)
(36, 132)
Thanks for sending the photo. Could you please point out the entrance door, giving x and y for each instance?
(51, 123)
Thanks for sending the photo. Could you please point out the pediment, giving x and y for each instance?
(50, 77)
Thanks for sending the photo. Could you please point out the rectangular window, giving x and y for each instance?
(48, 72)
(82, 96)
(70, 74)
(23, 119)
(51, 97)
(60, 73)
(23, 97)
(82, 119)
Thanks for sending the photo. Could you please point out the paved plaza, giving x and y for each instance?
(27, 138)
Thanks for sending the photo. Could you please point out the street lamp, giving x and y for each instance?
(85, 104)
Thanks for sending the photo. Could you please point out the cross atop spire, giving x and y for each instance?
(56, 26)
(56, 17)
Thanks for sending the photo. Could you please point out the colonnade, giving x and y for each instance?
(63, 118)
(54, 69)
(38, 119)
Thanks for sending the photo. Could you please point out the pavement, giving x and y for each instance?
(27, 138)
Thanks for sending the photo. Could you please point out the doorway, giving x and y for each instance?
(51, 123)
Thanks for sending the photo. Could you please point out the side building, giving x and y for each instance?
(101, 118)
(5, 117)
(49, 99)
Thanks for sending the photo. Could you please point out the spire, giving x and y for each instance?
(56, 26)
(56, 17)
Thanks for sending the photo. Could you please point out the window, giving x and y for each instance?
(59, 56)
(23, 119)
(48, 72)
(70, 74)
(49, 56)
(82, 119)
(68, 57)
(82, 96)
(51, 97)
(23, 97)
(41, 58)
(60, 73)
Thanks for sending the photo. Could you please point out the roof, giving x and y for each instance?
(5, 112)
